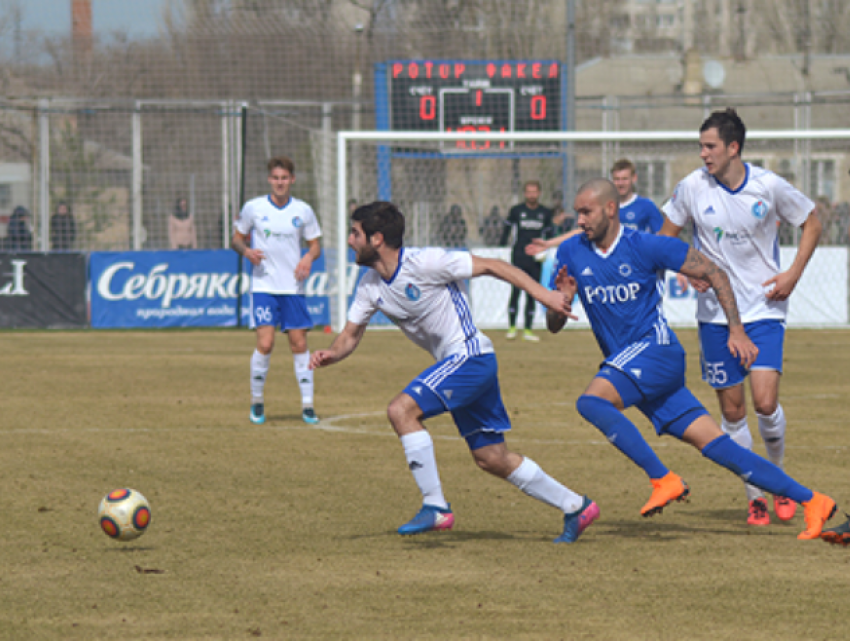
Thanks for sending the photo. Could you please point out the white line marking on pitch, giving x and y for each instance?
(328, 425)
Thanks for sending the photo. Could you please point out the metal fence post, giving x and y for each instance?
(225, 176)
(44, 174)
(138, 231)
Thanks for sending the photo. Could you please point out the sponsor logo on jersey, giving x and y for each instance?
(737, 237)
(412, 292)
(760, 209)
(625, 270)
(718, 233)
(297, 222)
(587, 272)
(526, 223)
(611, 294)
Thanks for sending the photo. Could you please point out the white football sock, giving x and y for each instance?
(532, 480)
(304, 376)
(739, 432)
(772, 430)
(259, 369)
(419, 451)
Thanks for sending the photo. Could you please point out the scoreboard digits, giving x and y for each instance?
(475, 96)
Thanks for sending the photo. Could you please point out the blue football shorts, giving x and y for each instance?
(652, 378)
(287, 311)
(721, 370)
(468, 387)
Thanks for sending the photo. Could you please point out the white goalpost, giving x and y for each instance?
(427, 174)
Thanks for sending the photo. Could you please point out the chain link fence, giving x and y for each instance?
(135, 174)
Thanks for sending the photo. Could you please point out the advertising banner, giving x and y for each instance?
(181, 289)
(820, 298)
(42, 290)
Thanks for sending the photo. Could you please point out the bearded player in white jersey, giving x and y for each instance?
(269, 233)
(736, 209)
(423, 292)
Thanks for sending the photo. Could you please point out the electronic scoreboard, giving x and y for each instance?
(474, 96)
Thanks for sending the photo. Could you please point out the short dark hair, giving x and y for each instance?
(623, 163)
(282, 162)
(383, 217)
(536, 183)
(730, 127)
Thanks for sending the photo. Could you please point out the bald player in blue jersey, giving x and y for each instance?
(615, 272)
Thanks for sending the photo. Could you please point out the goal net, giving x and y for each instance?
(455, 190)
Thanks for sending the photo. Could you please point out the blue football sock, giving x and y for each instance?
(754, 469)
(621, 433)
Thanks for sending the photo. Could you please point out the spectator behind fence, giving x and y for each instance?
(831, 234)
(452, 231)
(491, 228)
(63, 228)
(181, 227)
(18, 232)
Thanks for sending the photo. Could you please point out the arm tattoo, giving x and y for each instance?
(238, 245)
(698, 266)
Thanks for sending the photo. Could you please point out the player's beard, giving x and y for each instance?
(366, 257)
(596, 233)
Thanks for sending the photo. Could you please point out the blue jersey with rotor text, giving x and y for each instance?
(621, 289)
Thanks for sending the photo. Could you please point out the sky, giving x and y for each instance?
(139, 18)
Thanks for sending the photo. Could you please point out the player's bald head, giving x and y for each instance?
(603, 190)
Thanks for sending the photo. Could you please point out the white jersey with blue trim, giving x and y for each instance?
(621, 289)
(427, 299)
(277, 232)
(738, 230)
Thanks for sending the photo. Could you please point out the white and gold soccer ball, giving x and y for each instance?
(124, 514)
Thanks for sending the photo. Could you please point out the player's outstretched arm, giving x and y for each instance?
(567, 285)
(343, 345)
(784, 283)
(696, 265)
(538, 245)
(553, 300)
(672, 230)
(669, 229)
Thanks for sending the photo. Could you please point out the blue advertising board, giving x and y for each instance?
(181, 289)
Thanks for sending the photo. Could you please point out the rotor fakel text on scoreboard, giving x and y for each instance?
(475, 96)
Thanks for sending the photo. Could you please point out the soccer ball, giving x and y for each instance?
(124, 514)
